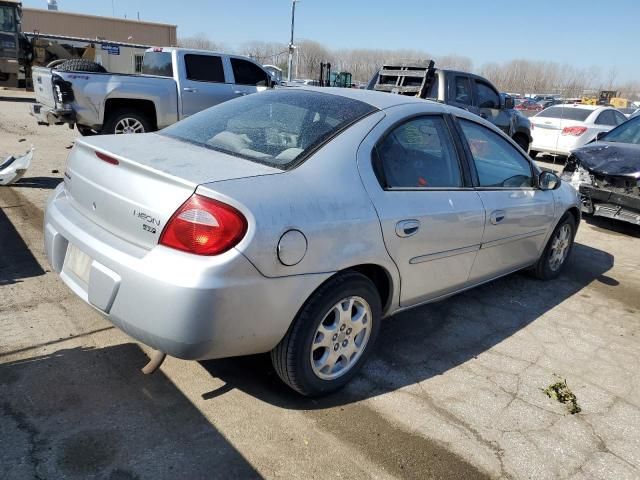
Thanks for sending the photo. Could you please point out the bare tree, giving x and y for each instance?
(200, 41)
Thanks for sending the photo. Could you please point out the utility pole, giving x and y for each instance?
(291, 46)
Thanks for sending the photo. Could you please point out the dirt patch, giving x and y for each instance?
(561, 392)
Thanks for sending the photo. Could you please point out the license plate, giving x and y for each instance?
(78, 263)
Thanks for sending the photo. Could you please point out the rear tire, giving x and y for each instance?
(522, 141)
(533, 153)
(126, 121)
(331, 337)
(557, 250)
(85, 131)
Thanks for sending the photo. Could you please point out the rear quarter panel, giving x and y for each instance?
(324, 198)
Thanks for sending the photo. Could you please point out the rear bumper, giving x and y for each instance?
(563, 145)
(187, 306)
(52, 116)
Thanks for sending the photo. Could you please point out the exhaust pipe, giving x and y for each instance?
(154, 363)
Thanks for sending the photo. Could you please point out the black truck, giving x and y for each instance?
(459, 89)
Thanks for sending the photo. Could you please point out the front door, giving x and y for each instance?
(518, 214)
(203, 83)
(248, 77)
(432, 223)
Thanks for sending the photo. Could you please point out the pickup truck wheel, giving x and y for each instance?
(331, 336)
(557, 250)
(85, 131)
(124, 121)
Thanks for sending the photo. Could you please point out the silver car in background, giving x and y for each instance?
(293, 221)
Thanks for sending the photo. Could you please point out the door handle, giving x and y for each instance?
(497, 216)
(190, 90)
(406, 228)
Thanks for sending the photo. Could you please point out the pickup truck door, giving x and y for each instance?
(248, 77)
(203, 82)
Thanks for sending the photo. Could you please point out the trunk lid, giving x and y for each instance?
(154, 175)
(43, 86)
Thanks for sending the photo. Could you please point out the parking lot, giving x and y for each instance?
(454, 389)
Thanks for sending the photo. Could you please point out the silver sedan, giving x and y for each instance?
(293, 221)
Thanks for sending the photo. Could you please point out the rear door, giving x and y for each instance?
(518, 214)
(431, 220)
(203, 83)
(247, 77)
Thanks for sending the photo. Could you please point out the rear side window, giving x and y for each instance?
(462, 93)
(620, 118)
(204, 68)
(157, 63)
(567, 113)
(487, 96)
(278, 128)
(497, 162)
(247, 73)
(606, 118)
(419, 154)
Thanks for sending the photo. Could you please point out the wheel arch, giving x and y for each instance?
(145, 107)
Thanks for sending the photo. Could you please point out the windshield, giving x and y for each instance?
(7, 20)
(628, 132)
(278, 128)
(567, 113)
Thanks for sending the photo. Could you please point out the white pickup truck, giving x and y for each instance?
(174, 84)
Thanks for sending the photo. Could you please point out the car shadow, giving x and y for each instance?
(38, 182)
(85, 413)
(16, 260)
(429, 340)
(612, 226)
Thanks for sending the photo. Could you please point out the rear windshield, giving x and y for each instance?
(157, 63)
(278, 128)
(567, 113)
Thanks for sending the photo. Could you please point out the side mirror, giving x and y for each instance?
(548, 181)
(509, 103)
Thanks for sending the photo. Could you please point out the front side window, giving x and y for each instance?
(247, 73)
(462, 92)
(204, 68)
(419, 154)
(487, 96)
(497, 162)
(620, 118)
(277, 128)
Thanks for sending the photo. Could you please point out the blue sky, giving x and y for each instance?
(581, 33)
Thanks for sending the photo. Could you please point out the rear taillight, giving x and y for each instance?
(204, 227)
(107, 158)
(574, 131)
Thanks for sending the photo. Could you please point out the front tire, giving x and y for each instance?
(331, 337)
(558, 249)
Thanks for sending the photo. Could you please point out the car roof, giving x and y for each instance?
(379, 100)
